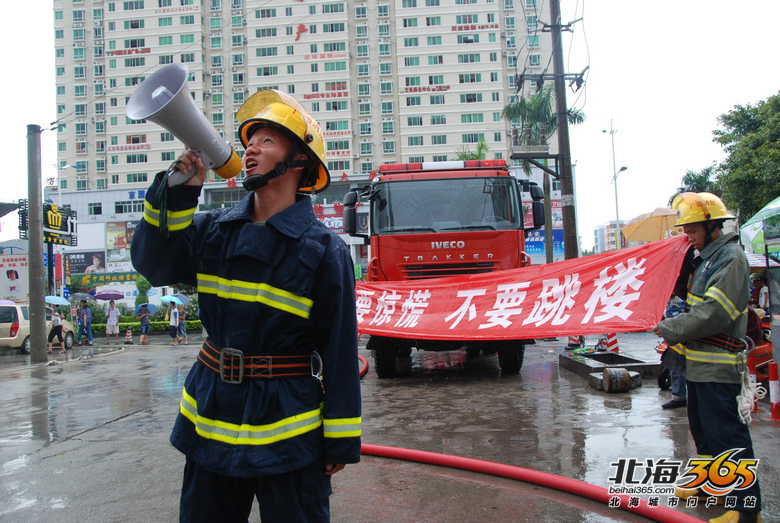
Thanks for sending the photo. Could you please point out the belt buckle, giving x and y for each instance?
(231, 356)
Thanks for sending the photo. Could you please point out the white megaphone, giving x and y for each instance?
(164, 99)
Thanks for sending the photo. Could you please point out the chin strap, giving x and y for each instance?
(708, 229)
(256, 181)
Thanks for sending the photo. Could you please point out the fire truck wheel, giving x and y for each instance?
(385, 352)
(510, 357)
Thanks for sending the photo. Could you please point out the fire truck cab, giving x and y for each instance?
(439, 219)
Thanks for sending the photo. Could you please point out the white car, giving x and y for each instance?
(15, 328)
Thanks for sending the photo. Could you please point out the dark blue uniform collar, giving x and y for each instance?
(292, 222)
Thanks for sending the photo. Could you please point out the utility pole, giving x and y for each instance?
(570, 240)
(35, 247)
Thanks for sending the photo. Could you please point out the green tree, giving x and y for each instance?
(702, 181)
(750, 176)
(143, 286)
(464, 153)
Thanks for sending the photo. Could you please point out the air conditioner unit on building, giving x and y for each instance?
(356, 155)
(98, 42)
(503, 34)
(504, 53)
(208, 92)
(96, 23)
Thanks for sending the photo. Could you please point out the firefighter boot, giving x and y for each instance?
(736, 516)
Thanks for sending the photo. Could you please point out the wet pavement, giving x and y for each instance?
(86, 439)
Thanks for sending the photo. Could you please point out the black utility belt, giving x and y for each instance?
(724, 342)
(233, 366)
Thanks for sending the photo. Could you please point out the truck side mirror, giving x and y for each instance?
(350, 213)
(536, 192)
(537, 207)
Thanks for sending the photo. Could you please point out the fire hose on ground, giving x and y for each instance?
(544, 479)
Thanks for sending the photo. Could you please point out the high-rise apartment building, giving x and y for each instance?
(388, 81)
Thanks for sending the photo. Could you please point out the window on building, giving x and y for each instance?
(388, 147)
(468, 98)
(473, 137)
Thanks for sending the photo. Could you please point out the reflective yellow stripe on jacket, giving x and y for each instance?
(342, 428)
(718, 295)
(726, 358)
(255, 292)
(245, 434)
(177, 220)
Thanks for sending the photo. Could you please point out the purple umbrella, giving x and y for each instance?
(109, 295)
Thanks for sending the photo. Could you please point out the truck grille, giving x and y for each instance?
(442, 270)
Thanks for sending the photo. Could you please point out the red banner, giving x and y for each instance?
(618, 291)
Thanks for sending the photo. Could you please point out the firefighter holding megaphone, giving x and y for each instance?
(271, 408)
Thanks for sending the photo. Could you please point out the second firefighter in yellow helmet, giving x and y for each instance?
(271, 108)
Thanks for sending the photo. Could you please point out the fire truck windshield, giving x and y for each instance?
(451, 204)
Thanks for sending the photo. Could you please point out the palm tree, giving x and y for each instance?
(702, 181)
(538, 120)
(464, 153)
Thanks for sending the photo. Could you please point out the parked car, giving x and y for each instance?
(15, 328)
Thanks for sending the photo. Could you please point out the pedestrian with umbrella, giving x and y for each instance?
(143, 314)
(112, 323)
(56, 328)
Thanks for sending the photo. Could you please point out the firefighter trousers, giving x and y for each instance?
(716, 428)
(299, 496)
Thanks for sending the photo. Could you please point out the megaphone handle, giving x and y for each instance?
(176, 177)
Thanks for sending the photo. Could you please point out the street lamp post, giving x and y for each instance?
(617, 213)
(612, 131)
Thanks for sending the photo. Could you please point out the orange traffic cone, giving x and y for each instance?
(129, 336)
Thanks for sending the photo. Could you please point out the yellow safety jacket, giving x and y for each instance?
(717, 305)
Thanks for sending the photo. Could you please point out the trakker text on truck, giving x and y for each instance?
(440, 219)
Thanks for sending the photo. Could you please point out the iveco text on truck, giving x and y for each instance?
(439, 219)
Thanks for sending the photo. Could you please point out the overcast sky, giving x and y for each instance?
(662, 71)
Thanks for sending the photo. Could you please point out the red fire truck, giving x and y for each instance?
(439, 219)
